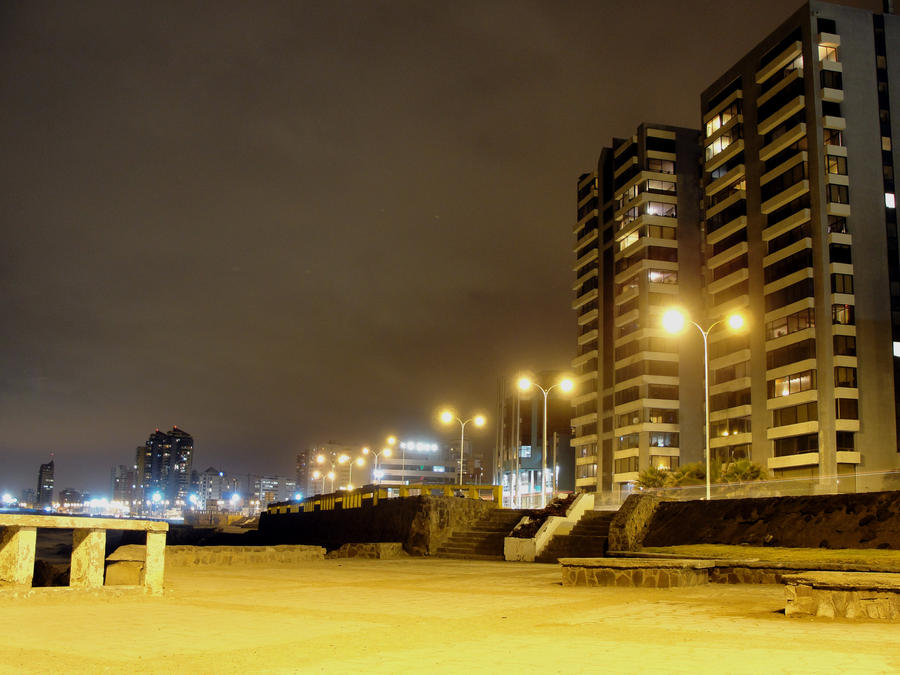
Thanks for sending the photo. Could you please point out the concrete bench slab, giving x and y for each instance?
(851, 595)
(18, 542)
(646, 572)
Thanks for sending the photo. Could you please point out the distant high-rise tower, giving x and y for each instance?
(45, 485)
(164, 466)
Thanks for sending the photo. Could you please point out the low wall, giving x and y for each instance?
(865, 520)
(421, 523)
(186, 556)
(631, 523)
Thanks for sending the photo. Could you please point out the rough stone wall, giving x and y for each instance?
(804, 600)
(866, 520)
(183, 556)
(632, 522)
(645, 578)
(421, 523)
(372, 551)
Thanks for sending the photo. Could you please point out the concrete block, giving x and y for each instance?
(17, 546)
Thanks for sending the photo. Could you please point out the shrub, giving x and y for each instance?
(742, 471)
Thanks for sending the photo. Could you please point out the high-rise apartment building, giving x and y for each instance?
(45, 485)
(799, 233)
(164, 466)
(637, 253)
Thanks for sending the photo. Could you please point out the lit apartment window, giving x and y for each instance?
(792, 384)
(889, 200)
(828, 53)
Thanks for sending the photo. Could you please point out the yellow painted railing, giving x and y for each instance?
(370, 496)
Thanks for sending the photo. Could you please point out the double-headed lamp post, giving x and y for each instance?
(335, 460)
(447, 417)
(566, 385)
(384, 451)
(673, 321)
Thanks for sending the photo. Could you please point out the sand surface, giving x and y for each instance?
(427, 616)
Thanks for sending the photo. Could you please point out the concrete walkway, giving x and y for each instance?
(428, 615)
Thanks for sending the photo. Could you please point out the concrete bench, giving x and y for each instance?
(643, 572)
(18, 536)
(851, 595)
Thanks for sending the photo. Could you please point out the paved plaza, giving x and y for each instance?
(425, 616)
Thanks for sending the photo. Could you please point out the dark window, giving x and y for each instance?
(846, 408)
(845, 441)
(798, 351)
(793, 263)
(661, 144)
(731, 240)
(844, 376)
(832, 79)
(788, 238)
(845, 345)
(796, 445)
(826, 25)
(667, 391)
(840, 253)
(842, 283)
(787, 295)
(795, 414)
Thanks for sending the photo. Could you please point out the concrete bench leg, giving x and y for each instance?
(17, 554)
(155, 562)
(88, 555)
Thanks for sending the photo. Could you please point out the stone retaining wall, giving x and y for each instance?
(184, 556)
(843, 595)
(865, 520)
(380, 551)
(421, 523)
(634, 573)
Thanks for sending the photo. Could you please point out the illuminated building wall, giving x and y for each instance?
(637, 253)
(798, 231)
(801, 233)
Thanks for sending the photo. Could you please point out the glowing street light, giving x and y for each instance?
(359, 461)
(384, 451)
(674, 321)
(334, 461)
(447, 417)
(525, 383)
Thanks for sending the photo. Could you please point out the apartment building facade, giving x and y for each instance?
(799, 234)
(637, 254)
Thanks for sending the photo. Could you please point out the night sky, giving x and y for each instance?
(278, 224)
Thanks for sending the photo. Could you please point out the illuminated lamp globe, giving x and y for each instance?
(446, 417)
(673, 321)
(524, 383)
(480, 420)
(567, 385)
(735, 322)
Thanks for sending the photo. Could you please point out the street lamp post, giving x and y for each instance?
(359, 461)
(335, 461)
(566, 385)
(384, 451)
(447, 417)
(673, 321)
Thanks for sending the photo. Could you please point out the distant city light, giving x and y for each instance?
(8, 499)
(298, 496)
(157, 497)
(419, 446)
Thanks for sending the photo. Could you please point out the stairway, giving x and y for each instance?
(483, 540)
(586, 540)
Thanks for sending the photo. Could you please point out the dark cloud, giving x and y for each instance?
(275, 224)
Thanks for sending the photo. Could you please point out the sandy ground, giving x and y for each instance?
(428, 615)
